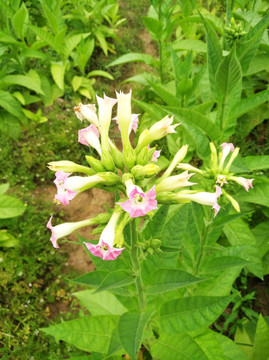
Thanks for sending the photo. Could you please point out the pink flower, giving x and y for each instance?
(247, 183)
(90, 137)
(63, 194)
(104, 249)
(140, 203)
(65, 229)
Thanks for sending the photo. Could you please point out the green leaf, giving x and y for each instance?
(214, 53)
(261, 343)
(46, 36)
(116, 279)
(133, 57)
(215, 263)
(257, 162)
(258, 195)
(103, 303)
(57, 72)
(204, 123)
(163, 280)
(76, 82)
(102, 73)
(210, 345)
(86, 333)
(259, 63)
(249, 43)
(154, 26)
(162, 91)
(191, 313)
(4, 188)
(23, 80)
(131, 328)
(245, 105)
(228, 74)
(7, 240)
(91, 279)
(73, 40)
(10, 207)
(190, 44)
(177, 347)
(10, 104)
(230, 349)
(20, 20)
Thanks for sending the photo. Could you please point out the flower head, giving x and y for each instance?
(226, 149)
(221, 180)
(64, 195)
(174, 182)
(104, 249)
(90, 137)
(139, 203)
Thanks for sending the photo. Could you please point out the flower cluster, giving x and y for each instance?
(132, 171)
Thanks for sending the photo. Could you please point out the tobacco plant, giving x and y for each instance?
(163, 276)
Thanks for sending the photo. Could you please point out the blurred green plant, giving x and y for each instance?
(45, 52)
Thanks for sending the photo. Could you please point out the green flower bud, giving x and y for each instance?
(129, 157)
(107, 161)
(69, 166)
(140, 172)
(117, 156)
(95, 163)
(109, 178)
(145, 155)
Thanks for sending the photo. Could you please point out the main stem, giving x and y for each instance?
(136, 266)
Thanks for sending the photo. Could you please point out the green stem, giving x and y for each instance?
(136, 266)
(203, 244)
(161, 60)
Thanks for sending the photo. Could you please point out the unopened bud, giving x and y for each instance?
(116, 155)
(140, 172)
(95, 163)
(107, 161)
(69, 166)
(129, 157)
(145, 155)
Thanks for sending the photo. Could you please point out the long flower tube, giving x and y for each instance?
(65, 229)
(204, 198)
(175, 182)
(105, 249)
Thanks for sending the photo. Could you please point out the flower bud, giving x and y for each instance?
(180, 155)
(95, 163)
(232, 201)
(190, 168)
(87, 112)
(107, 160)
(145, 155)
(174, 182)
(116, 156)
(140, 172)
(69, 166)
(124, 115)
(214, 156)
(129, 157)
(232, 158)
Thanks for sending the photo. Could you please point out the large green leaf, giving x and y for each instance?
(230, 349)
(204, 123)
(10, 207)
(133, 57)
(20, 20)
(210, 345)
(258, 195)
(228, 74)
(116, 279)
(249, 43)
(131, 328)
(219, 263)
(103, 303)
(261, 343)
(257, 162)
(86, 333)
(163, 280)
(154, 26)
(214, 53)
(189, 44)
(7, 239)
(191, 313)
(178, 347)
(23, 80)
(91, 279)
(245, 105)
(4, 188)
(162, 91)
(46, 36)
(10, 104)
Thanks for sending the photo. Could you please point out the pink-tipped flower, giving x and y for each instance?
(87, 112)
(63, 195)
(105, 106)
(221, 180)
(247, 183)
(104, 249)
(175, 182)
(139, 203)
(90, 137)
(226, 149)
(62, 230)
(133, 124)
(204, 198)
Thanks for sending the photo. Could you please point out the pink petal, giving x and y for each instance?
(53, 239)
(156, 155)
(229, 146)
(110, 253)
